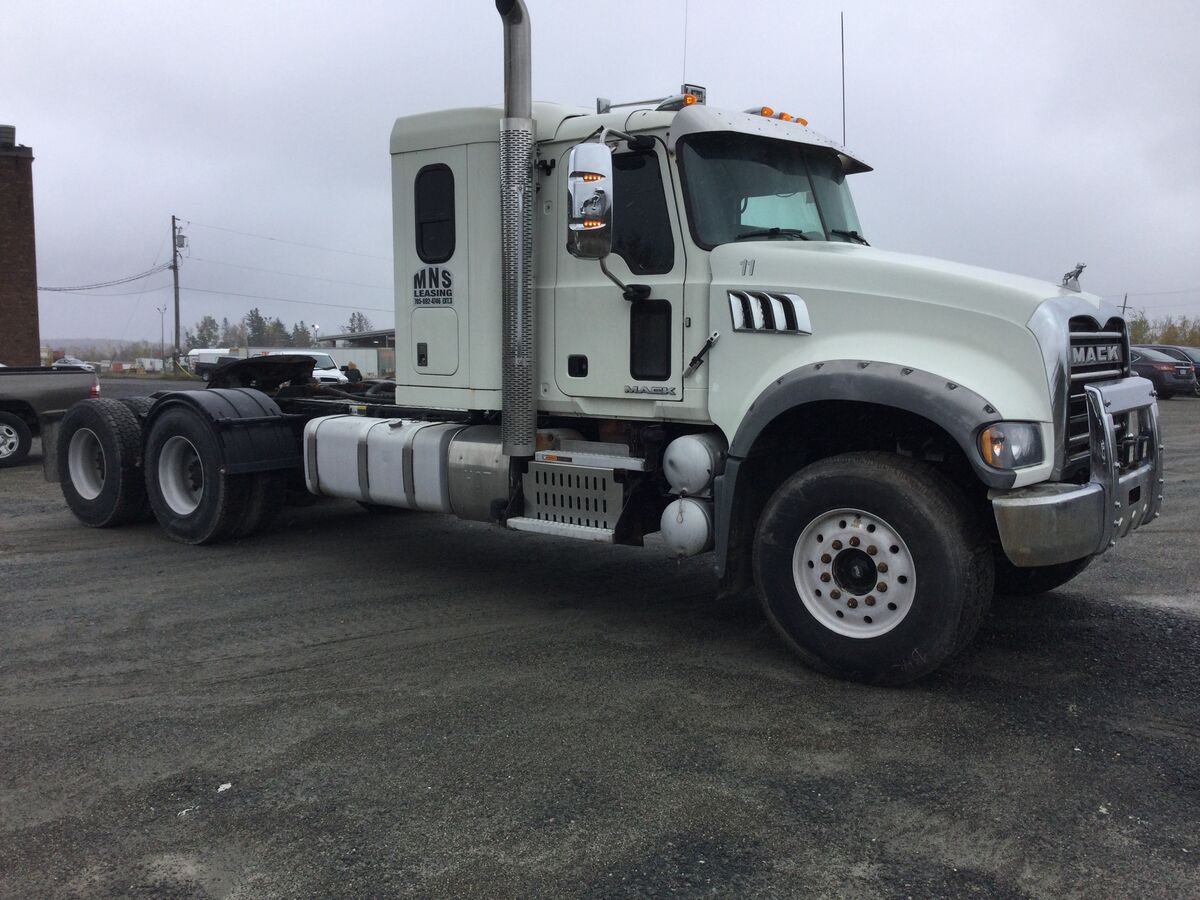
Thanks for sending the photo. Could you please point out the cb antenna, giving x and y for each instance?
(842, 22)
(683, 78)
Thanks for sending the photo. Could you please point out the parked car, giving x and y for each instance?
(71, 362)
(1169, 375)
(33, 400)
(1186, 354)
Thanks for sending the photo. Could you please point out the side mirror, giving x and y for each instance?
(589, 201)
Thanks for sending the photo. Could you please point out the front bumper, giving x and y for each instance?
(1047, 523)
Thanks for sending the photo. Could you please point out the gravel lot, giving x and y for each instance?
(415, 706)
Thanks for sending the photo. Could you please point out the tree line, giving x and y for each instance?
(256, 330)
(1178, 331)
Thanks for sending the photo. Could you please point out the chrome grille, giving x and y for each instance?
(1091, 362)
(769, 311)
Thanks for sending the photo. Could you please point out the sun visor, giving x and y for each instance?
(695, 119)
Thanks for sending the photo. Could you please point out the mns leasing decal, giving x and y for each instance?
(433, 286)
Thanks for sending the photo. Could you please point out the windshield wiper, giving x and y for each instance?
(773, 232)
(853, 235)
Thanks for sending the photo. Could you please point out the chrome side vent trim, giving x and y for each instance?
(769, 311)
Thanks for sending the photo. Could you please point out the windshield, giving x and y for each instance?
(324, 360)
(745, 188)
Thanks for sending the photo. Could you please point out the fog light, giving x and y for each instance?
(1011, 445)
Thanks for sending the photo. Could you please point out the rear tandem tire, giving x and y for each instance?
(15, 440)
(193, 500)
(99, 463)
(140, 407)
(872, 567)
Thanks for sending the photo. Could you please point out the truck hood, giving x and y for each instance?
(856, 269)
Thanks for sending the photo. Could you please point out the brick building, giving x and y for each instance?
(19, 336)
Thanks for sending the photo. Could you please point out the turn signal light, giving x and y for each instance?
(689, 99)
(593, 223)
(591, 176)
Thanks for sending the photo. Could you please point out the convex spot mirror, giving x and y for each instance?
(589, 201)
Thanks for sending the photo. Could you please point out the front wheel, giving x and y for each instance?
(872, 567)
(1015, 581)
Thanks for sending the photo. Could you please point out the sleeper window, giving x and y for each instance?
(433, 195)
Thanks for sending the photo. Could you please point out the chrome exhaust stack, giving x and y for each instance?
(518, 426)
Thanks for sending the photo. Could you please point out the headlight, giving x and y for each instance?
(1011, 445)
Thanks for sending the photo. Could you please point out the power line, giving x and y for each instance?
(100, 284)
(266, 237)
(217, 262)
(144, 290)
(288, 300)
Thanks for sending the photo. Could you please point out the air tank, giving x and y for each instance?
(692, 462)
(687, 527)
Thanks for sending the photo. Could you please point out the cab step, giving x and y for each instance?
(562, 529)
(569, 500)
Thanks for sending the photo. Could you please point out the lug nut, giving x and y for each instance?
(882, 567)
(826, 558)
(854, 542)
(835, 594)
(852, 603)
(870, 600)
(872, 550)
(837, 545)
(881, 587)
(825, 576)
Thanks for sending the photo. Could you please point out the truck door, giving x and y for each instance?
(604, 345)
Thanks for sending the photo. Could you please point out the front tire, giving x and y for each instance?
(1014, 581)
(872, 567)
(15, 440)
(192, 499)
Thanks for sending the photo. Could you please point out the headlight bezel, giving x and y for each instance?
(1007, 446)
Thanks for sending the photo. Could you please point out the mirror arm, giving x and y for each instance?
(630, 292)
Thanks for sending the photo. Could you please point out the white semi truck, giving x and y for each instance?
(665, 318)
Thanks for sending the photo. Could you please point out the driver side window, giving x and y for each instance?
(642, 234)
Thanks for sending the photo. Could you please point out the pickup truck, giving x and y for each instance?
(33, 400)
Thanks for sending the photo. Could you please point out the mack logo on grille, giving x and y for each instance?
(1095, 353)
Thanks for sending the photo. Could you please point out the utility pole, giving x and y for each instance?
(162, 339)
(1125, 304)
(175, 273)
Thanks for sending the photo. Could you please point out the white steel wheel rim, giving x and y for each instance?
(8, 440)
(86, 463)
(180, 475)
(854, 573)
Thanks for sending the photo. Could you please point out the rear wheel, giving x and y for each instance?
(193, 500)
(15, 439)
(872, 567)
(99, 458)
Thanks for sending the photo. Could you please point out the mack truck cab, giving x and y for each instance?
(614, 322)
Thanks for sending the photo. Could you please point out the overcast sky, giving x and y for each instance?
(1016, 135)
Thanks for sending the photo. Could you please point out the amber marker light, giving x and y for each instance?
(689, 99)
(591, 176)
(593, 223)
(766, 111)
